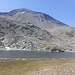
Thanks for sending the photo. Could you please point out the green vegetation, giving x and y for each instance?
(18, 67)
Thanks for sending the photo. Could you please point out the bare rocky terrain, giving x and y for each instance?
(23, 29)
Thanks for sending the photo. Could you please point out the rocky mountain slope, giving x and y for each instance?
(39, 19)
(23, 29)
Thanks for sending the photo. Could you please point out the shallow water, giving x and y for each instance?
(35, 54)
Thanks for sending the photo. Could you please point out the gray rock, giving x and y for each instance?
(23, 29)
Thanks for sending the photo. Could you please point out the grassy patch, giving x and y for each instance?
(22, 67)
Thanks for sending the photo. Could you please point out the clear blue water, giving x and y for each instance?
(35, 54)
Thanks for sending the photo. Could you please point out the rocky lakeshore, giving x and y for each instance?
(64, 66)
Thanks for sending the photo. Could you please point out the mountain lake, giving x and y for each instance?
(35, 54)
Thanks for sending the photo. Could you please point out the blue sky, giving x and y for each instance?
(62, 10)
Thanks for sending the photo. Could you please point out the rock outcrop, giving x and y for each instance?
(23, 29)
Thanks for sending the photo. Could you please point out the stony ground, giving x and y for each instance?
(38, 67)
(57, 68)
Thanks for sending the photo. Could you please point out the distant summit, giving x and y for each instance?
(39, 19)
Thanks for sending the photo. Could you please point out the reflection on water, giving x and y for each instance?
(35, 54)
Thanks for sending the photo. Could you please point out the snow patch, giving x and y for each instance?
(8, 48)
(22, 12)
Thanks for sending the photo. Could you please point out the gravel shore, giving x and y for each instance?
(57, 67)
(38, 67)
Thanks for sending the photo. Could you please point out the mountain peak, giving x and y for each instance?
(17, 10)
(39, 19)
